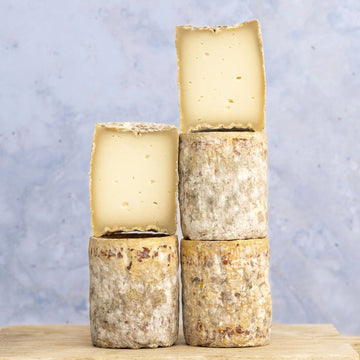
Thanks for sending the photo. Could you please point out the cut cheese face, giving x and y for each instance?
(133, 177)
(221, 77)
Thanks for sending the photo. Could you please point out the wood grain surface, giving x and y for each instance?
(316, 342)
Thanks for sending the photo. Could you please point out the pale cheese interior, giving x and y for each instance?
(133, 181)
(221, 77)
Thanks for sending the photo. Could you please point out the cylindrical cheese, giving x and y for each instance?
(223, 188)
(226, 292)
(134, 291)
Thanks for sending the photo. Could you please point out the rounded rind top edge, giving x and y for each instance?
(137, 127)
(217, 28)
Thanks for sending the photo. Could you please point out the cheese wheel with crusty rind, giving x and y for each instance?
(226, 292)
(223, 190)
(134, 291)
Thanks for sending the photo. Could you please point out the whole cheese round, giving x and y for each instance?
(226, 292)
(223, 190)
(134, 291)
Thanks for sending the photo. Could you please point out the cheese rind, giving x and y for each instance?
(221, 77)
(226, 293)
(223, 189)
(134, 291)
(133, 177)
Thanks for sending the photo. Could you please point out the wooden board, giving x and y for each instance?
(354, 341)
(315, 342)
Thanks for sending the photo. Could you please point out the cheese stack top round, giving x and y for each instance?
(221, 77)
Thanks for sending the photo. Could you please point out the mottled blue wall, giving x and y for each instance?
(65, 65)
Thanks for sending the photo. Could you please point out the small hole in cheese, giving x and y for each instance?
(230, 100)
(152, 181)
(147, 156)
(238, 77)
(207, 54)
(155, 203)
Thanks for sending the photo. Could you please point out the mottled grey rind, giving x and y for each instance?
(226, 292)
(223, 190)
(134, 292)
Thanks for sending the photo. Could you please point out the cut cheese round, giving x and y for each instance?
(134, 291)
(223, 189)
(226, 292)
(221, 77)
(134, 178)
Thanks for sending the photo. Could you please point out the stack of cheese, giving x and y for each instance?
(223, 186)
(134, 273)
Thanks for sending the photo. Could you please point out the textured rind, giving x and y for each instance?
(184, 127)
(216, 28)
(226, 293)
(134, 291)
(223, 189)
(137, 129)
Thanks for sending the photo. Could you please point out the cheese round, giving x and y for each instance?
(226, 292)
(134, 291)
(134, 178)
(221, 77)
(223, 189)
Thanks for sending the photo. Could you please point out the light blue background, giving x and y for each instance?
(65, 65)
